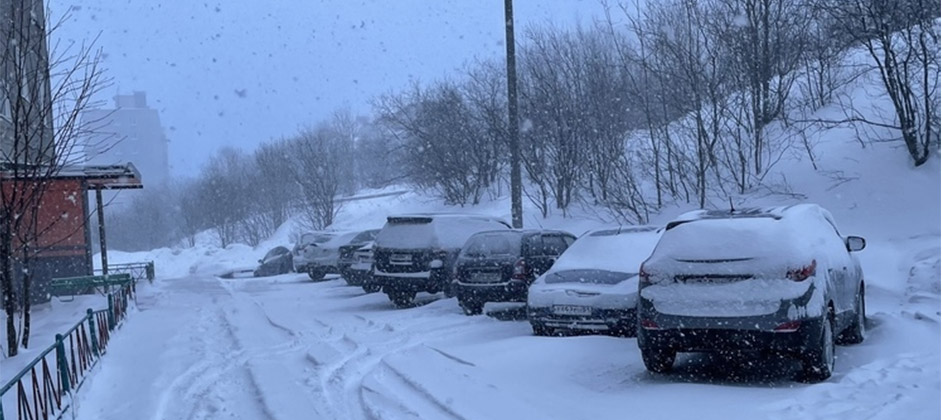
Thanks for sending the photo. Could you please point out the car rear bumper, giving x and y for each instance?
(512, 291)
(598, 320)
(720, 339)
(780, 331)
(425, 280)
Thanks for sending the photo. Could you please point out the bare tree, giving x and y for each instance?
(42, 98)
(316, 164)
(222, 193)
(902, 38)
(444, 147)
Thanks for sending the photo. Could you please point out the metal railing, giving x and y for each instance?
(137, 270)
(44, 388)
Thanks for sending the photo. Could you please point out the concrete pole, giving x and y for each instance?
(101, 232)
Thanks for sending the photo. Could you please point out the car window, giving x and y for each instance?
(365, 236)
(534, 245)
(553, 245)
(569, 240)
(491, 244)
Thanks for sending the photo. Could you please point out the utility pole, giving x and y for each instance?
(516, 187)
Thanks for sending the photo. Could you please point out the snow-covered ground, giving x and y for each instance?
(285, 348)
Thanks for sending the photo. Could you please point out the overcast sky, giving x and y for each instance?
(243, 72)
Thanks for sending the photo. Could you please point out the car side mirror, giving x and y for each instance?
(855, 243)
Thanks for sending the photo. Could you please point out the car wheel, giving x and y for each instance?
(372, 288)
(471, 306)
(857, 331)
(450, 291)
(401, 299)
(315, 274)
(541, 330)
(658, 360)
(818, 362)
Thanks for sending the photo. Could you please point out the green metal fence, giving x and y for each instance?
(43, 389)
(137, 270)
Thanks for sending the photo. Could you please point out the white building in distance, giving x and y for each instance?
(131, 132)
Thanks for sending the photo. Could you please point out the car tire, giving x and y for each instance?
(401, 299)
(315, 274)
(658, 360)
(856, 332)
(541, 330)
(372, 288)
(818, 362)
(471, 306)
(450, 291)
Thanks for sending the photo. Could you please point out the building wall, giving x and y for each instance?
(26, 134)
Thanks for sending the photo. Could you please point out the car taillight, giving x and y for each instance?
(790, 326)
(521, 271)
(649, 324)
(800, 274)
(643, 277)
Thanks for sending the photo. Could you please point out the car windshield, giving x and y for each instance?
(315, 238)
(491, 244)
(588, 276)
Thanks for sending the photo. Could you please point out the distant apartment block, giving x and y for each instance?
(131, 132)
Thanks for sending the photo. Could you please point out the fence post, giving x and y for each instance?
(92, 333)
(62, 365)
(110, 312)
(150, 272)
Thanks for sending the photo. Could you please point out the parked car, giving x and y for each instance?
(417, 252)
(500, 265)
(304, 254)
(347, 254)
(781, 280)
(360, 273)
(594, 284)
(324, 257)
(276, 261)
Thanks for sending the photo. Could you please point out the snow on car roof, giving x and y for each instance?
(432, 216)
(621, 249)
(780, 233)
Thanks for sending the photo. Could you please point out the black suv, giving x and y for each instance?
(414, 253)
(498, 266)
(779, 280)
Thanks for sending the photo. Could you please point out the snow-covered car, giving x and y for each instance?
(499, 266)
(594, 284)
(417, 252)
(360, 272)
(276, 261)
(322, 257)
(305, 255)
(780, 280)
(347, 253)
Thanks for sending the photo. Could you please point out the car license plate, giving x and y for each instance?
(572, 310)
(400, 259)
(485, 277)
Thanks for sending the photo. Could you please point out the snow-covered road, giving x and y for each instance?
(287, 348)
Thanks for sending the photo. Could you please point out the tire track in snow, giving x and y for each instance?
(346, 362)
(206, 389)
